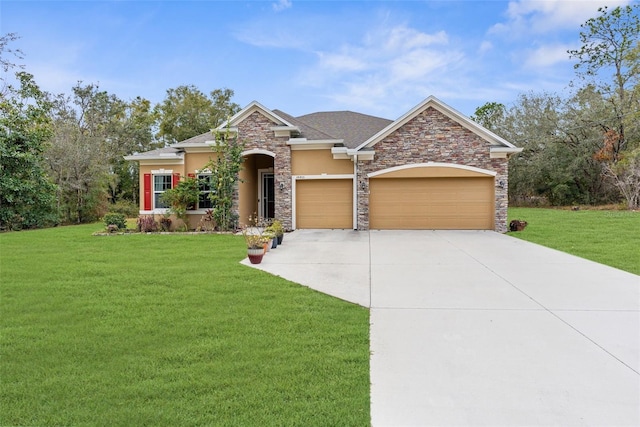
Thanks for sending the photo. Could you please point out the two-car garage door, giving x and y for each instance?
(454, 203)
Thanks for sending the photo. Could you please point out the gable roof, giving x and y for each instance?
(353, 128)
(456, 116)
(357, 131)
(250, 109)
(306, 130)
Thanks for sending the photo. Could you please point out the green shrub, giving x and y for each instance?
(116, 219)
(125, 207)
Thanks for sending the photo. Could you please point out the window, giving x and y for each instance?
(161, 183)
(204, 183)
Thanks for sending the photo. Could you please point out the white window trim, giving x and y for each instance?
(154, 192)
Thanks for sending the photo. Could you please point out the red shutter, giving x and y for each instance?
(147, 191)
(176, 180)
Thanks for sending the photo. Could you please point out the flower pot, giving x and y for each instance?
(255, 255)
(274, 243)
(280, 237)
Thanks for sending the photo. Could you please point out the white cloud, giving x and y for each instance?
(540, 16)
(281, 5)
(485, 46)
(547, 56)
(388, 62)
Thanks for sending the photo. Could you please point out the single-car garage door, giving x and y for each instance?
(324, 203)
(458, 203)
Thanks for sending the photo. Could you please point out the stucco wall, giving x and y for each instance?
(432, 136)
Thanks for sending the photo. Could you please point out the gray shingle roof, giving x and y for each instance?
(198, 139)
(306, 130)
(354, 128)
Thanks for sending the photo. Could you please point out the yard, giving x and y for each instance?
(170, 330)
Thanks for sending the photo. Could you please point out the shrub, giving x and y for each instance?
(116, 219)
(125, 207)
(146, 224)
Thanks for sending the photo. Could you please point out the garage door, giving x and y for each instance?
(324, 203)
(431, 203)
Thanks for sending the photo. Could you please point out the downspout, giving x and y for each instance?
(355, 191)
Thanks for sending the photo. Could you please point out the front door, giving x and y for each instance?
(267, 196)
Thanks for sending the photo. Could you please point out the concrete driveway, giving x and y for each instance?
(478, 328)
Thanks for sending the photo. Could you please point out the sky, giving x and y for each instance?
(380, 58)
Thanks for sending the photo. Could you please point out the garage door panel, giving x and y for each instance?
(324, 203)
(431, 203)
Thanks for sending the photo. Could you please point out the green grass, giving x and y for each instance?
(607, 237)
(170, 330)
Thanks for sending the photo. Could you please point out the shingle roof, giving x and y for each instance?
(306, 130)
(354, 128)
(198, 139)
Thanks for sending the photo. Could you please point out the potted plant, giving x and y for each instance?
(274, 239)
(268, 238)
(255, 244)
(278, 230)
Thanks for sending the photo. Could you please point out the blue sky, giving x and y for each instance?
(380, 58)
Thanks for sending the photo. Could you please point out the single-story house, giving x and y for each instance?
(432, 168)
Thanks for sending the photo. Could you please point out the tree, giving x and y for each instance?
(557, 164)
(610, 44)
(225, 170)
(187, 112)
(93, 131)
(490, 115)
(26, 194)
(5, 63)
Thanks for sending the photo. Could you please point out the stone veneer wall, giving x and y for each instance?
(433, 137)
(255, 132)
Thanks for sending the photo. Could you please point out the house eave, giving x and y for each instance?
(503, 152)
(314, 144)
(156, 157)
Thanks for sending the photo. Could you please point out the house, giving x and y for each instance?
(432, 168)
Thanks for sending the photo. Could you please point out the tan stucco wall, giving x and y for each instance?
(318, 162)
(248, 190)
(197, 161)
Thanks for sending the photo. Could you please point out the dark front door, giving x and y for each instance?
(268, 200)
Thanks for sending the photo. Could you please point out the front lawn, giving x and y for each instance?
(608, 237)
(169, 330)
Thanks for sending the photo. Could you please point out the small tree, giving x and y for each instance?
(181, 197)
(224, 179)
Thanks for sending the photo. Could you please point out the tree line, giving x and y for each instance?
(584, 148)
(61, 156)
